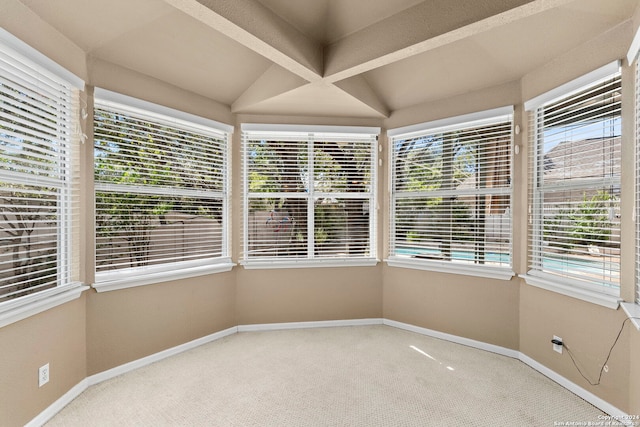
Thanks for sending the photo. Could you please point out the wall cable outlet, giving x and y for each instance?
(557, 347)
(43, 375)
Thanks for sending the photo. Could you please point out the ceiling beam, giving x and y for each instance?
(421, 28)
(258, 28)
(273, 82)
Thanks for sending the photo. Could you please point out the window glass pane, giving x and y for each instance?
(277, 227)
(459, 229)
(161, 195)
(451, 194)
(137, 230)
(582, 235)
(576, 177)
(29, 239)
(342, 166)
(316, 187)
(278, 166)
(36, 177)
(341, 227)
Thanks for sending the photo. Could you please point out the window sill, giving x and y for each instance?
(21, 308)
(307, 263)
(632, 311)
(116, 281)
(570, 290)
(453, 268)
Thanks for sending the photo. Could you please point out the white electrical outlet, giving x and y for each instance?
(43, 375)
(557, 348)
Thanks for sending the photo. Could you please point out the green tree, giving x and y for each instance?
(131, 154)
(29, 150)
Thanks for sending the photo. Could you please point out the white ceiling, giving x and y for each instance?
(352, 58)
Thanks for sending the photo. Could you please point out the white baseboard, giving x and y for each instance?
(54, 408)
(599, 403)
(454, 338)
(128, 367)
(303, 325)
(57, 406)
(63, 401)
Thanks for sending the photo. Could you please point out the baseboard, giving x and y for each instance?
(599, 403)
(136, 364)
(454, 338)
(68, 397)
(304, 325)
(57, 406)
(54, 408)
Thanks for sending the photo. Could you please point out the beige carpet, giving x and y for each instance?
(350, 376)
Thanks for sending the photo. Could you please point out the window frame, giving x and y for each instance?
(70, 288)
(157, 114)
(307, 133)
(576, 288)
(635, 61)
(491, 116)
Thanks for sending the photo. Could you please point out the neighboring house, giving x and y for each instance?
(599, 154)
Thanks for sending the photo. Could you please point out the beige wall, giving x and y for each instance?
(634, 373)
(129, 324)
(308, 294)
(588, 329)
(57, 337)
(480, 309)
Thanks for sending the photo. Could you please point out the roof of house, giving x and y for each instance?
(587, 158)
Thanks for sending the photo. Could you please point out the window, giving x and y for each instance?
(161, 190)
(309, 194)
(38, 166)
(451, 194)
(575, 183)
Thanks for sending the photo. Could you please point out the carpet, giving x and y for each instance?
(343, 376)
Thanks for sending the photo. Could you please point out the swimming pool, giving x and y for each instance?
(607, 269)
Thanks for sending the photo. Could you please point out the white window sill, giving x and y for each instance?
(122, 280)
(571, 290)
(453, 268)
(307, 263)
(632, 310)
(21, 308)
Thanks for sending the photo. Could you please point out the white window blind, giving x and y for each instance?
(308, 195)
(575, 187)
(451, 193)
(161, 191)
(38, 177)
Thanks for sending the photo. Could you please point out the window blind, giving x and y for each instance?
(575, 187)
(161, 191)
(308, 195)
(451, 193)
(38, 177)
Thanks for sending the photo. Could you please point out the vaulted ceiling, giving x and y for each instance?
(354, 58)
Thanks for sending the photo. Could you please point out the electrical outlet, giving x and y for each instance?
(43, 375)
(557, 348)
